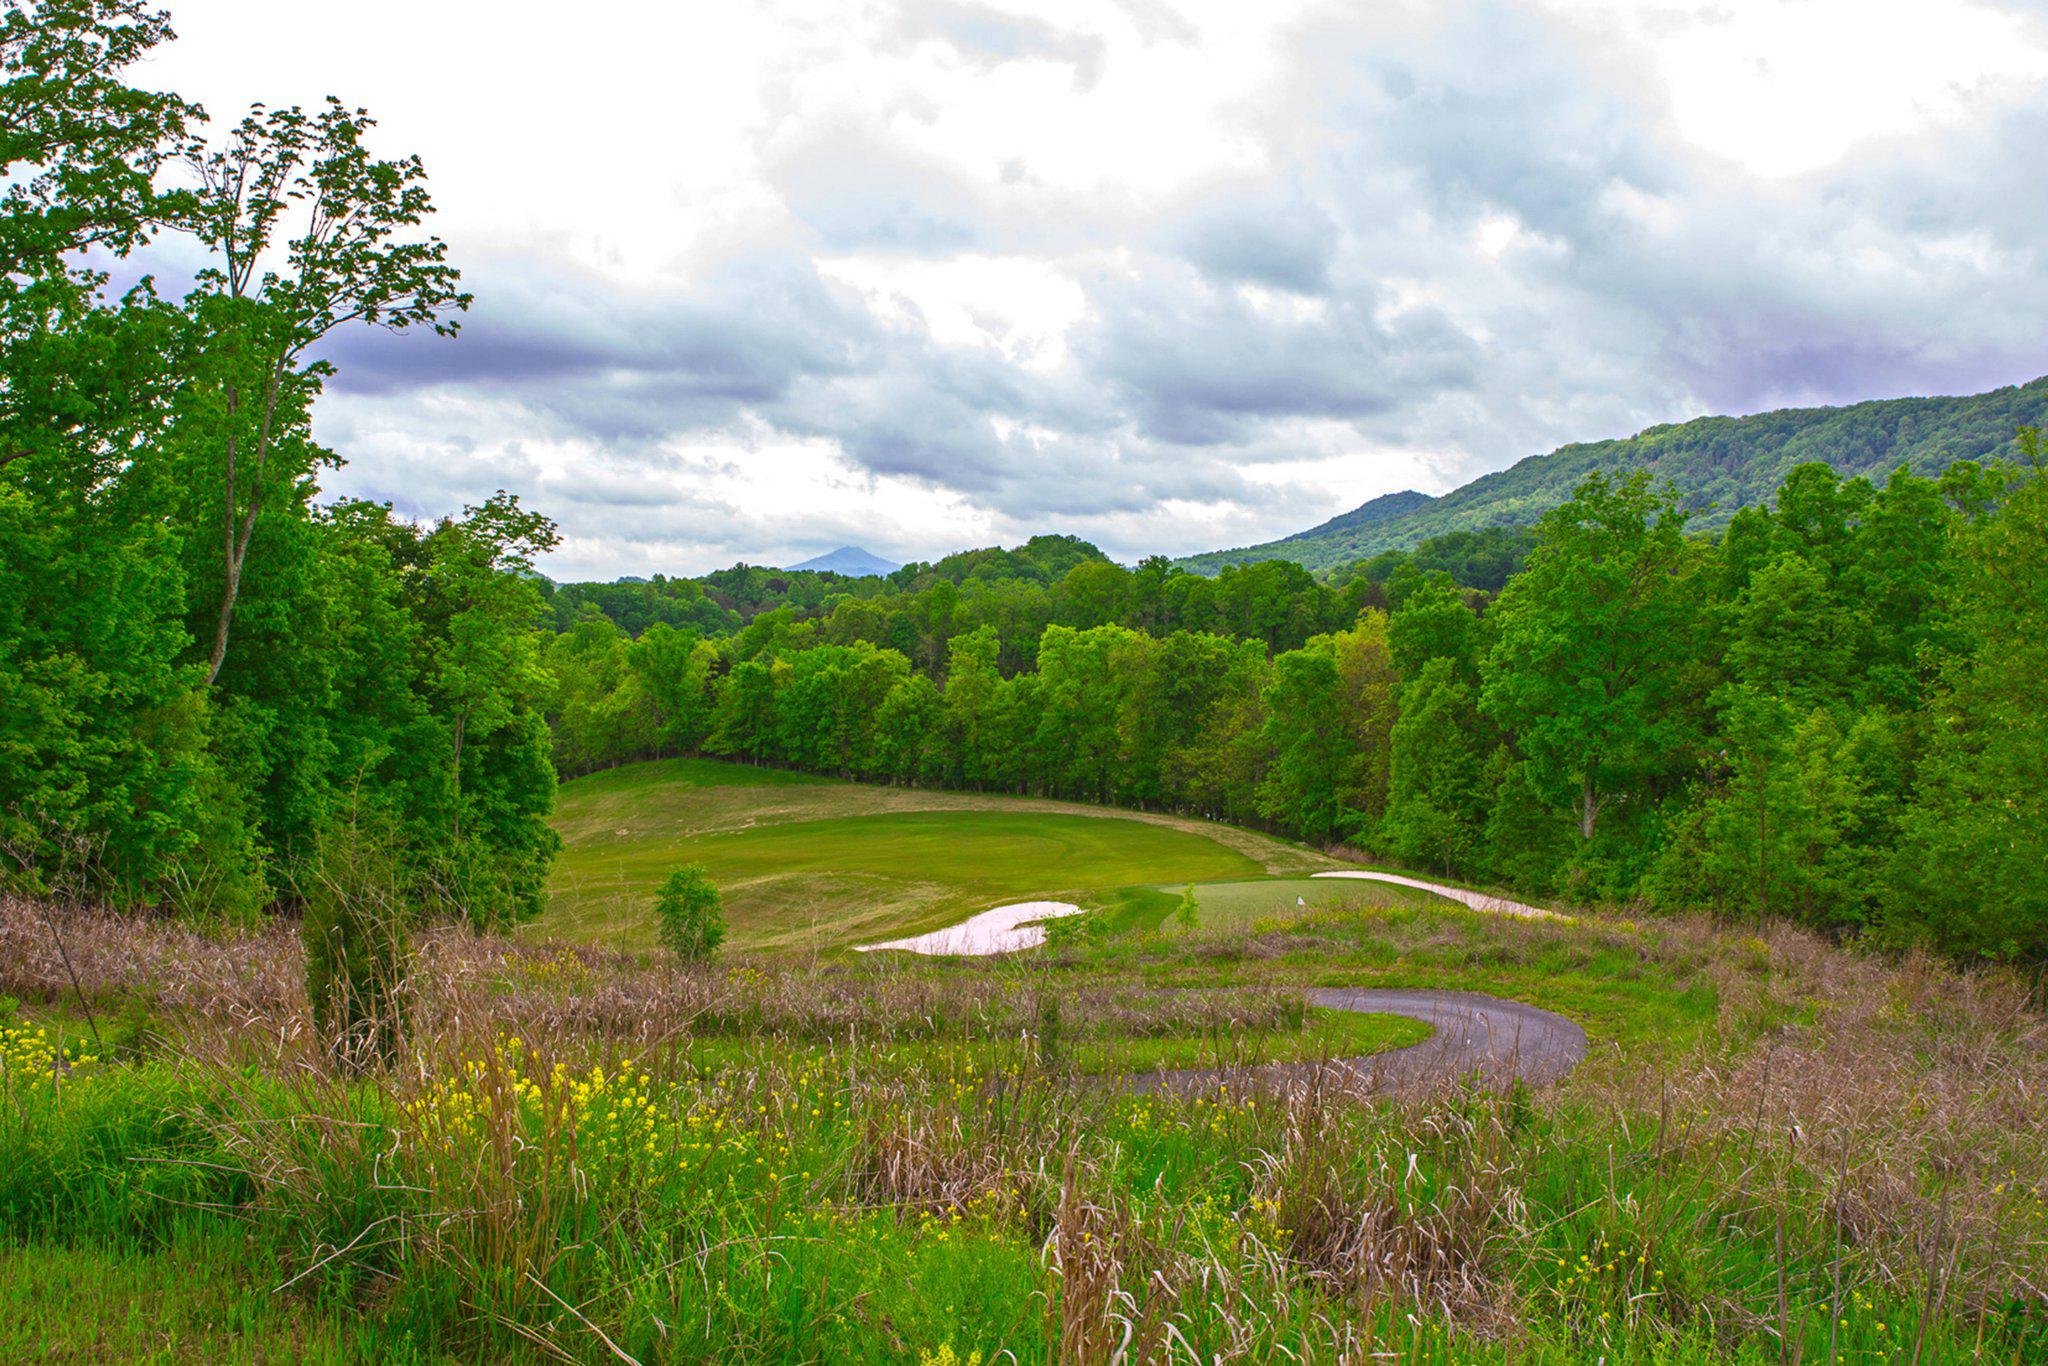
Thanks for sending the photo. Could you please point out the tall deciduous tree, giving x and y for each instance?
(157, 493)
(103, 751)
(1971, 871)
(479, 568)
(1591, 644)
(1437, 806)
(309, 233)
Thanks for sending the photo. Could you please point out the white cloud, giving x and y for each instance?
(761, 279)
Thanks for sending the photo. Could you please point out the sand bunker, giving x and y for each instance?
(1478, 901)
(1002, 930)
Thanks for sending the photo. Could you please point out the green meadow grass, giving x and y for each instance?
(809, 863)
(197, 1296)
(809, 1231)
(1323, 1035)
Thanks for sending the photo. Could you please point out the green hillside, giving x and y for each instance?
(1718, 464)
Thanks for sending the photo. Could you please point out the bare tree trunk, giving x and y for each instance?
(232, 571)
(1589, 807)
(236, 537)
(461, 718)
(1763, 894)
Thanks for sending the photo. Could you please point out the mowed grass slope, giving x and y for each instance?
(809, 862)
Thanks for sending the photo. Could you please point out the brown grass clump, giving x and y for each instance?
(1909, 1102)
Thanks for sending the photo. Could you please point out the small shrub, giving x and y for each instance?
(1187, 914)
(1046, 1028)
(355, 940)
(690, 914)
(1067, 932)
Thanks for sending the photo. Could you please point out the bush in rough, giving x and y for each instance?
(690, 914)
(355, 941)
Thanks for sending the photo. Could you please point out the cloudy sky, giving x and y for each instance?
(756, 279)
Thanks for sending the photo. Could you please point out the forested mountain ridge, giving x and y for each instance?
(1717, 465)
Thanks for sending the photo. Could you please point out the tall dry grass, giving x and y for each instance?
(1859, 1128)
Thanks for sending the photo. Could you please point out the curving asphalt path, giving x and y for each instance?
(1480, 1037)
(1484, 1038)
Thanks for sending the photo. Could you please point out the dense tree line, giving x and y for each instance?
(1831, 712)
(203, 671)
(637, 604)
(1017, 593)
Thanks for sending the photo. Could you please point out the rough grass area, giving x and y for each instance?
(1777, 1150)
(809, 863)
(1225, 1038)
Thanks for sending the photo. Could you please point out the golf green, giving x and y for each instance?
(1221, 904)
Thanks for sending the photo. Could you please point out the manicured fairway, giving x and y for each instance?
(809, 862)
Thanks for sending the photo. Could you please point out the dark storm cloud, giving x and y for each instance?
(1201, 365)
(1283, 244)
(742, 337)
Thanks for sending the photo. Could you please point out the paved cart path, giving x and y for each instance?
(1494, 1040)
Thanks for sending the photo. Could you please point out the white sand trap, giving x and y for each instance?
(1002, 930)
(1478, 901)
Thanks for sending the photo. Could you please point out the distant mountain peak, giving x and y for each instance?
(850, 560)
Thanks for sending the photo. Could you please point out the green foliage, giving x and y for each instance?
(638, 606)
(1971, 871)
(1438, 804)
(921, 609)
(1433, 621)
(1484, 559)
(1591, 644)
(689, 914)
(1304, 784)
